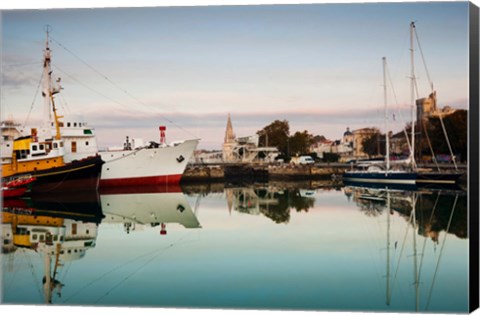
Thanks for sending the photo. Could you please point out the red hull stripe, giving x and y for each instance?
(16, 192)
(149, 180)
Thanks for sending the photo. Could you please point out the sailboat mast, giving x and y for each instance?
(412, 91)
(388, 248)
(387, 144)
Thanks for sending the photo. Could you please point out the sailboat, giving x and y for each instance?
(43, 158)
(382, 173)
(429, 176)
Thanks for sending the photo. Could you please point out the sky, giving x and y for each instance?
(319, 66)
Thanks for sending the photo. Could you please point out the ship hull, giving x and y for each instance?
(146, 166)
(438, 178)
(380, 178)
(83, 175)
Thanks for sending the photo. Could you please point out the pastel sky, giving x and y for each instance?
(128, 70)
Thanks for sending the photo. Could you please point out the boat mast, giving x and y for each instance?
(387, 144)
(48, 91)
(388, 297)
(412, 92)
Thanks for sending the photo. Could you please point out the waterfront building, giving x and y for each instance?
(229, 142)
(359, 136)
(321, 147)
(245, 149)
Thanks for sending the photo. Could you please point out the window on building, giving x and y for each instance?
(74, 229)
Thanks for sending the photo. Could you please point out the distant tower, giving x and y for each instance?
(229, 142)
(348, 136)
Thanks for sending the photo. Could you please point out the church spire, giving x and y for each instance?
(229, 135)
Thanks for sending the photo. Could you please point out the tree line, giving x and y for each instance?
(429, 134)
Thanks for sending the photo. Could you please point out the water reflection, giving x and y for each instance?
(274, 203)
(432, 211)
(282, 233)
(427, 213)
(153, 207)
(60, 229)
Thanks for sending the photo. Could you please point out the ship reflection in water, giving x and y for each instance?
(271, 246)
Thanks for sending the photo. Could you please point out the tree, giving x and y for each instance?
(457, 132)
(300, 143)
(374, 144)
(275, 135)
(319, 138)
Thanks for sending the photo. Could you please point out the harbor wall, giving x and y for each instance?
(234, 172)
(260, 172)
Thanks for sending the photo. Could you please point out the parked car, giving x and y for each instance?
(302, 160)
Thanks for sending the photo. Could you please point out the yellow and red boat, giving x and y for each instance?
(44, 159)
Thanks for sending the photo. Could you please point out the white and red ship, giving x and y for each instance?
(134, 164)
(155, 163)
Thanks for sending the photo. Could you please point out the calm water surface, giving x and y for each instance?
(272, 246)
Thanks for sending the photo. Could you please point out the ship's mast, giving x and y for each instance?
(47, 117)
(48, 91)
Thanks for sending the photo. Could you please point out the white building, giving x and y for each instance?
(245, 149)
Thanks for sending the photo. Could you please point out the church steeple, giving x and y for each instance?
(229, 135)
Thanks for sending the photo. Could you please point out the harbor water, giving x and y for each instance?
(269, 246)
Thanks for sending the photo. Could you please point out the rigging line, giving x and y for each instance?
(403, 243)
(65, 271)
(396, 102)
(33, 101)
(160, 251)
(32, 269)
(448, 142)
(423, 59)
(120, 88)
(430, 145)
(425, 240)
(90, 88)
(441, 251)
(113, 270)
(85, 63)
(22, 64)
(133, 273)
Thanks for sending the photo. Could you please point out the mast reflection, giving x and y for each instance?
(60, 230)
(427, 213)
